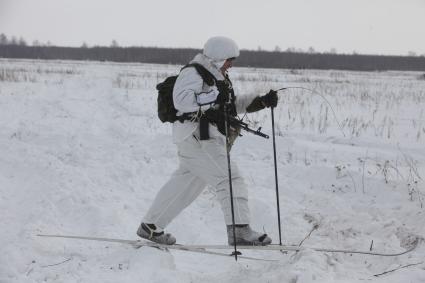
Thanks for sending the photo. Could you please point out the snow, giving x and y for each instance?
(83, 153)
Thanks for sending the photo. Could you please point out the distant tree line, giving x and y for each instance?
(180, 56)
(12, 41)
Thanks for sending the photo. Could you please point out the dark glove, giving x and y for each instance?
(270, 99)
(222, 86)
(223, 89)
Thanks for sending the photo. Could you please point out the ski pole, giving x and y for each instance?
(227, 125)
(275, 175)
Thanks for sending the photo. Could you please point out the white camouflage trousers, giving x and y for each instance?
(201, 163)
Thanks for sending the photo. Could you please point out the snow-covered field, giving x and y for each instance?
(82, 152)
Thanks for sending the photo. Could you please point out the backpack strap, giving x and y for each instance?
(206, 75)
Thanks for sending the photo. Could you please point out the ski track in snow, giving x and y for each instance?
(83, 153)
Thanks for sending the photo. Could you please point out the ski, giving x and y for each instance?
(140, 243)
(208, 248)
(298, 248)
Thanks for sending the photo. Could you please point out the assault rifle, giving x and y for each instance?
(218, 118)
(244, 126)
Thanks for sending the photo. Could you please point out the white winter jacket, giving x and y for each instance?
(189, 84)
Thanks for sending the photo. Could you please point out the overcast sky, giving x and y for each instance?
(364, 26)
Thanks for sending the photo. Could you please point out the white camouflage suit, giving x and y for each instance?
(202, 162)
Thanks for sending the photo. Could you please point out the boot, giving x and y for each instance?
(152, 233)
(245, 236)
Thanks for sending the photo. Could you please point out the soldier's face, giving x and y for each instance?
(227, 64)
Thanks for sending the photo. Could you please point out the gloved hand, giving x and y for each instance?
(223, 90)
(269, 99)
(222, 86)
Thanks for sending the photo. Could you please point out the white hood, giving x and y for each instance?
(209, 64)
(220, 48)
